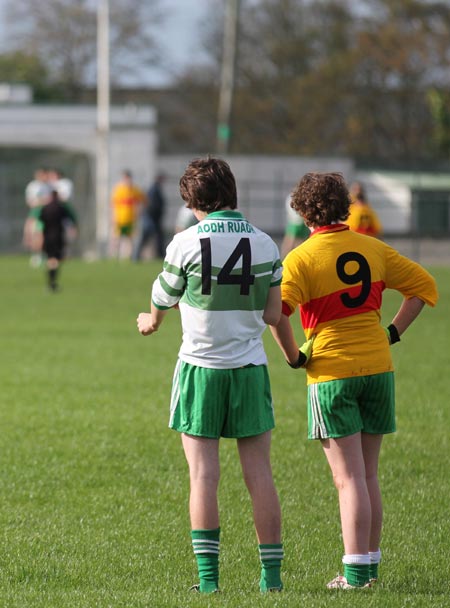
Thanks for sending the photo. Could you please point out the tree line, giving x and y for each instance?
(369, 80)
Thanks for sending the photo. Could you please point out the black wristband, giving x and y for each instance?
(300, 361)
(393, 334)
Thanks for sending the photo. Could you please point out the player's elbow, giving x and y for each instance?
(272, 310)
(272, 317)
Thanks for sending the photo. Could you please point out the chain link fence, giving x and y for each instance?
(414, 209)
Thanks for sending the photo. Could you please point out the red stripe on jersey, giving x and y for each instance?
(285, 309)
(330, 307)
(330, 228)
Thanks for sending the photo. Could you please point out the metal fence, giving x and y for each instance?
(417, 225)
(415, 216)
(17, 167)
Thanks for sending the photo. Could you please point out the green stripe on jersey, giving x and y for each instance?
(227, 297)
(263, 268)
(170, 291)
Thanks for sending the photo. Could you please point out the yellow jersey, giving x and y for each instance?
(363, 219)
(125, 199)
(337, 278)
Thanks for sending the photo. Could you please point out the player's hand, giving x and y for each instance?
(304, 354)
(392, 334)
(145, 324)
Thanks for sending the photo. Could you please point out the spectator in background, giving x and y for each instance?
(362, 218)
(126, 199)
(157, 209)
(296, 231)
(151, 219)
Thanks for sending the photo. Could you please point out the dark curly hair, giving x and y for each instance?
(208, 185)
(321, 199)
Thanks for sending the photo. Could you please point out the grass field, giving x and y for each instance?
(94, 487)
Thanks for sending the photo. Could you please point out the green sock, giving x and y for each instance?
(357, 574)
(375, 558)
(373, 571)
(270, 556)
(206, 550)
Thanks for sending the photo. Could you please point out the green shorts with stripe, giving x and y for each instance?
(221, 402)
(125, 230)
(338, 408)
(298, 231)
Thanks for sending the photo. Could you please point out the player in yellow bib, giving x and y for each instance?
(126, 199)
(337, 278)
(362, 217)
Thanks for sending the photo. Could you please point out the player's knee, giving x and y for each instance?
(258, 479)
(344, 482)
(205, 476)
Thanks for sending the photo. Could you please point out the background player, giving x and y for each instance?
(337, 278)
(295, 232)
(151, 219)
(225, 274)
(37, 194)
(126, 199)
(185, 218)
(362, 217)
(54, 217)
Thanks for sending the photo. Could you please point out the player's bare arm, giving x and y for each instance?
(284, 337)
(408, 311)
(145, 324)
(272, 311)
(149, 322)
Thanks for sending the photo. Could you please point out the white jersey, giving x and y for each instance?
(185, 219)
(37, 193)
(220, 272)
(292, 216)
(64, 188)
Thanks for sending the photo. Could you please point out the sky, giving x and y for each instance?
(179, 35)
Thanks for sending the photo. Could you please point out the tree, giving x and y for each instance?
(291, 63)
(62, 35)
(18, 67)
(402, 48)
(439, 102)
(333, 77)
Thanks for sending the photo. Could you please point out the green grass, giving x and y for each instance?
(94, 487)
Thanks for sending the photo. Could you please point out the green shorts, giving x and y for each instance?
(221, 402)
(338, 408)
(125, 230)
(298, 231)
(35, 214)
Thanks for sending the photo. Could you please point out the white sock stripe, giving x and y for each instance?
(375, 557)
(268, 554)
(204, 541)
(212, 551)
(361, 559)
(272, 556)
